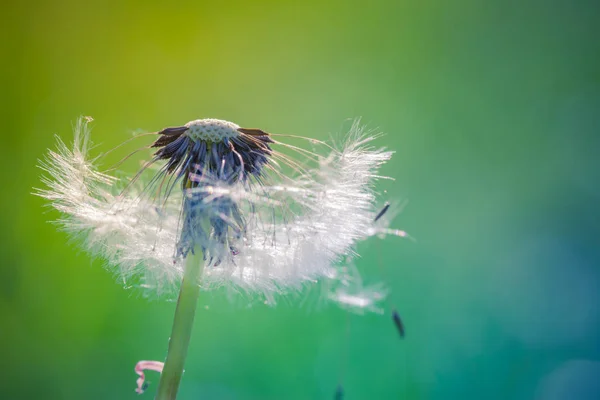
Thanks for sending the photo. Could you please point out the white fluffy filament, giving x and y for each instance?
(298, 229)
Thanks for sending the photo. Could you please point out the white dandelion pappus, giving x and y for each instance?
(351, 294)
(262, 231)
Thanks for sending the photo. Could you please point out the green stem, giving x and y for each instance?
(182, 328)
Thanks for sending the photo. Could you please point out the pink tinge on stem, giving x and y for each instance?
(142, 366)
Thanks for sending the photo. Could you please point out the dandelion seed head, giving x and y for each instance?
(214, 186)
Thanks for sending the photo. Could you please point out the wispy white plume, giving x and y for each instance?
(272, 233)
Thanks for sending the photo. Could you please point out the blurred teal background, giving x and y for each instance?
(493, 109)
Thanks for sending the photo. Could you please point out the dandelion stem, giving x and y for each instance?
(182, 328)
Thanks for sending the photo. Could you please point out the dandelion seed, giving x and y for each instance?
(361, 300)
(382, 212)
(339, 393)
(351, 294)
(398, 322)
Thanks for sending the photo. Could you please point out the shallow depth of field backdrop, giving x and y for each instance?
(492, 109)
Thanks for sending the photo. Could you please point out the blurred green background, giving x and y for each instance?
(493, 109)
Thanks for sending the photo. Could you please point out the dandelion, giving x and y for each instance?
(218, 205)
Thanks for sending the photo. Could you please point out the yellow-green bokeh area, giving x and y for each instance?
(492, 109)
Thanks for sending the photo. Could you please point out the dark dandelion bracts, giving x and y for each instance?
(269, 216)
(199, 154)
